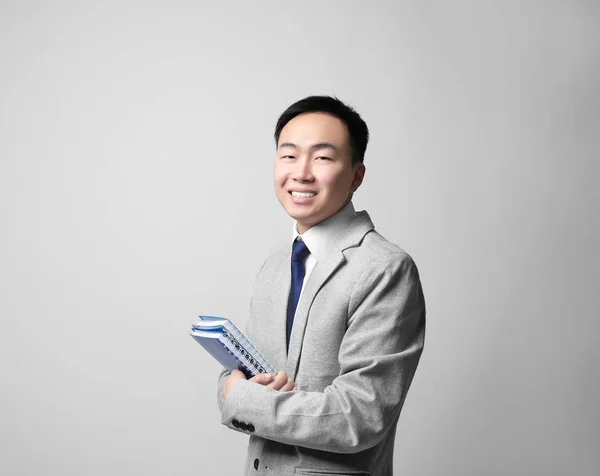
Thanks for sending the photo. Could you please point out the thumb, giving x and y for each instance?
(262, 379)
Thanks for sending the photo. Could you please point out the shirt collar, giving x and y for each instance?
(320, 237)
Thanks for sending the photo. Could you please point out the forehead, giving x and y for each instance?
(313, 127)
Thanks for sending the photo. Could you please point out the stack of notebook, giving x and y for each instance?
(229, 346)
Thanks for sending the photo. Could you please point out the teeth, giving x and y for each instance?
(303, 194)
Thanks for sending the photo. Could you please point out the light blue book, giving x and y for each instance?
(229, 346)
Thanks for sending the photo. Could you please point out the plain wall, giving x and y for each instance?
(136, 192)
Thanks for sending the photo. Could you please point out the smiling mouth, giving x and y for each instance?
(302, 194)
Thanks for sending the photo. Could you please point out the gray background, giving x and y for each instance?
(136, 192)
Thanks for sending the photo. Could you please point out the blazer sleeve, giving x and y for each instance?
(222, 377)
(224, 372)
(378, 358)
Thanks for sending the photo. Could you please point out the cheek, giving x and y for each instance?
(337, 183)
(279, 175)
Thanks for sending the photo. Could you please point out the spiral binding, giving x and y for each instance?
(253, 362)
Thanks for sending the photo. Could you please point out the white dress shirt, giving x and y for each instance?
(319, 237)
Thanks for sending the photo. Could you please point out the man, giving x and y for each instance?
(341, 314)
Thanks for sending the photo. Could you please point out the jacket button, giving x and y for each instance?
(250, 427)
(256, 464)
(235, 423)
(243, 426)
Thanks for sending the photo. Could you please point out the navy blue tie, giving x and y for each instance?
(299, 253)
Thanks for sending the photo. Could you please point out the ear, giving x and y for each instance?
(359, 175)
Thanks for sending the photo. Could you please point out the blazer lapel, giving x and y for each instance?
(280, 286)
(317, 278)
(351, 236)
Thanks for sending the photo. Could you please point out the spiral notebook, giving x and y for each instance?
(229, 346)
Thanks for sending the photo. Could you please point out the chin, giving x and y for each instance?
(300, 217)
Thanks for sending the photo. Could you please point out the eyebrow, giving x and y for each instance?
(319, 145)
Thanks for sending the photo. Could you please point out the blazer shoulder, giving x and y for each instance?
(379, 248)
(274, 262)
(277, 256)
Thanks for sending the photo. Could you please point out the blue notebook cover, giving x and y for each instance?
(229, 346)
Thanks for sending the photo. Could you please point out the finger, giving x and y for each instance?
(279, 380)
(289, 385)
(262, 379)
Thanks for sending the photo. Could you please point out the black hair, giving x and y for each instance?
(358, 132)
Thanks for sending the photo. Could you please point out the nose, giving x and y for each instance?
(303, 170)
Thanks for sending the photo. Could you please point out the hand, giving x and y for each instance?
(230, 382)
(280, 382)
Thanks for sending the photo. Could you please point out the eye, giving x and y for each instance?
(287, 157)
(322, 157)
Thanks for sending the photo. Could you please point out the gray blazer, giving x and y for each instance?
(357, 338)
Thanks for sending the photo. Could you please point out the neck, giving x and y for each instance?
(303, 227)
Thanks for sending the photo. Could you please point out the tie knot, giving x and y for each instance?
(299, 250)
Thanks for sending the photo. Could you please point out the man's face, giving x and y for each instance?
(314, 175)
